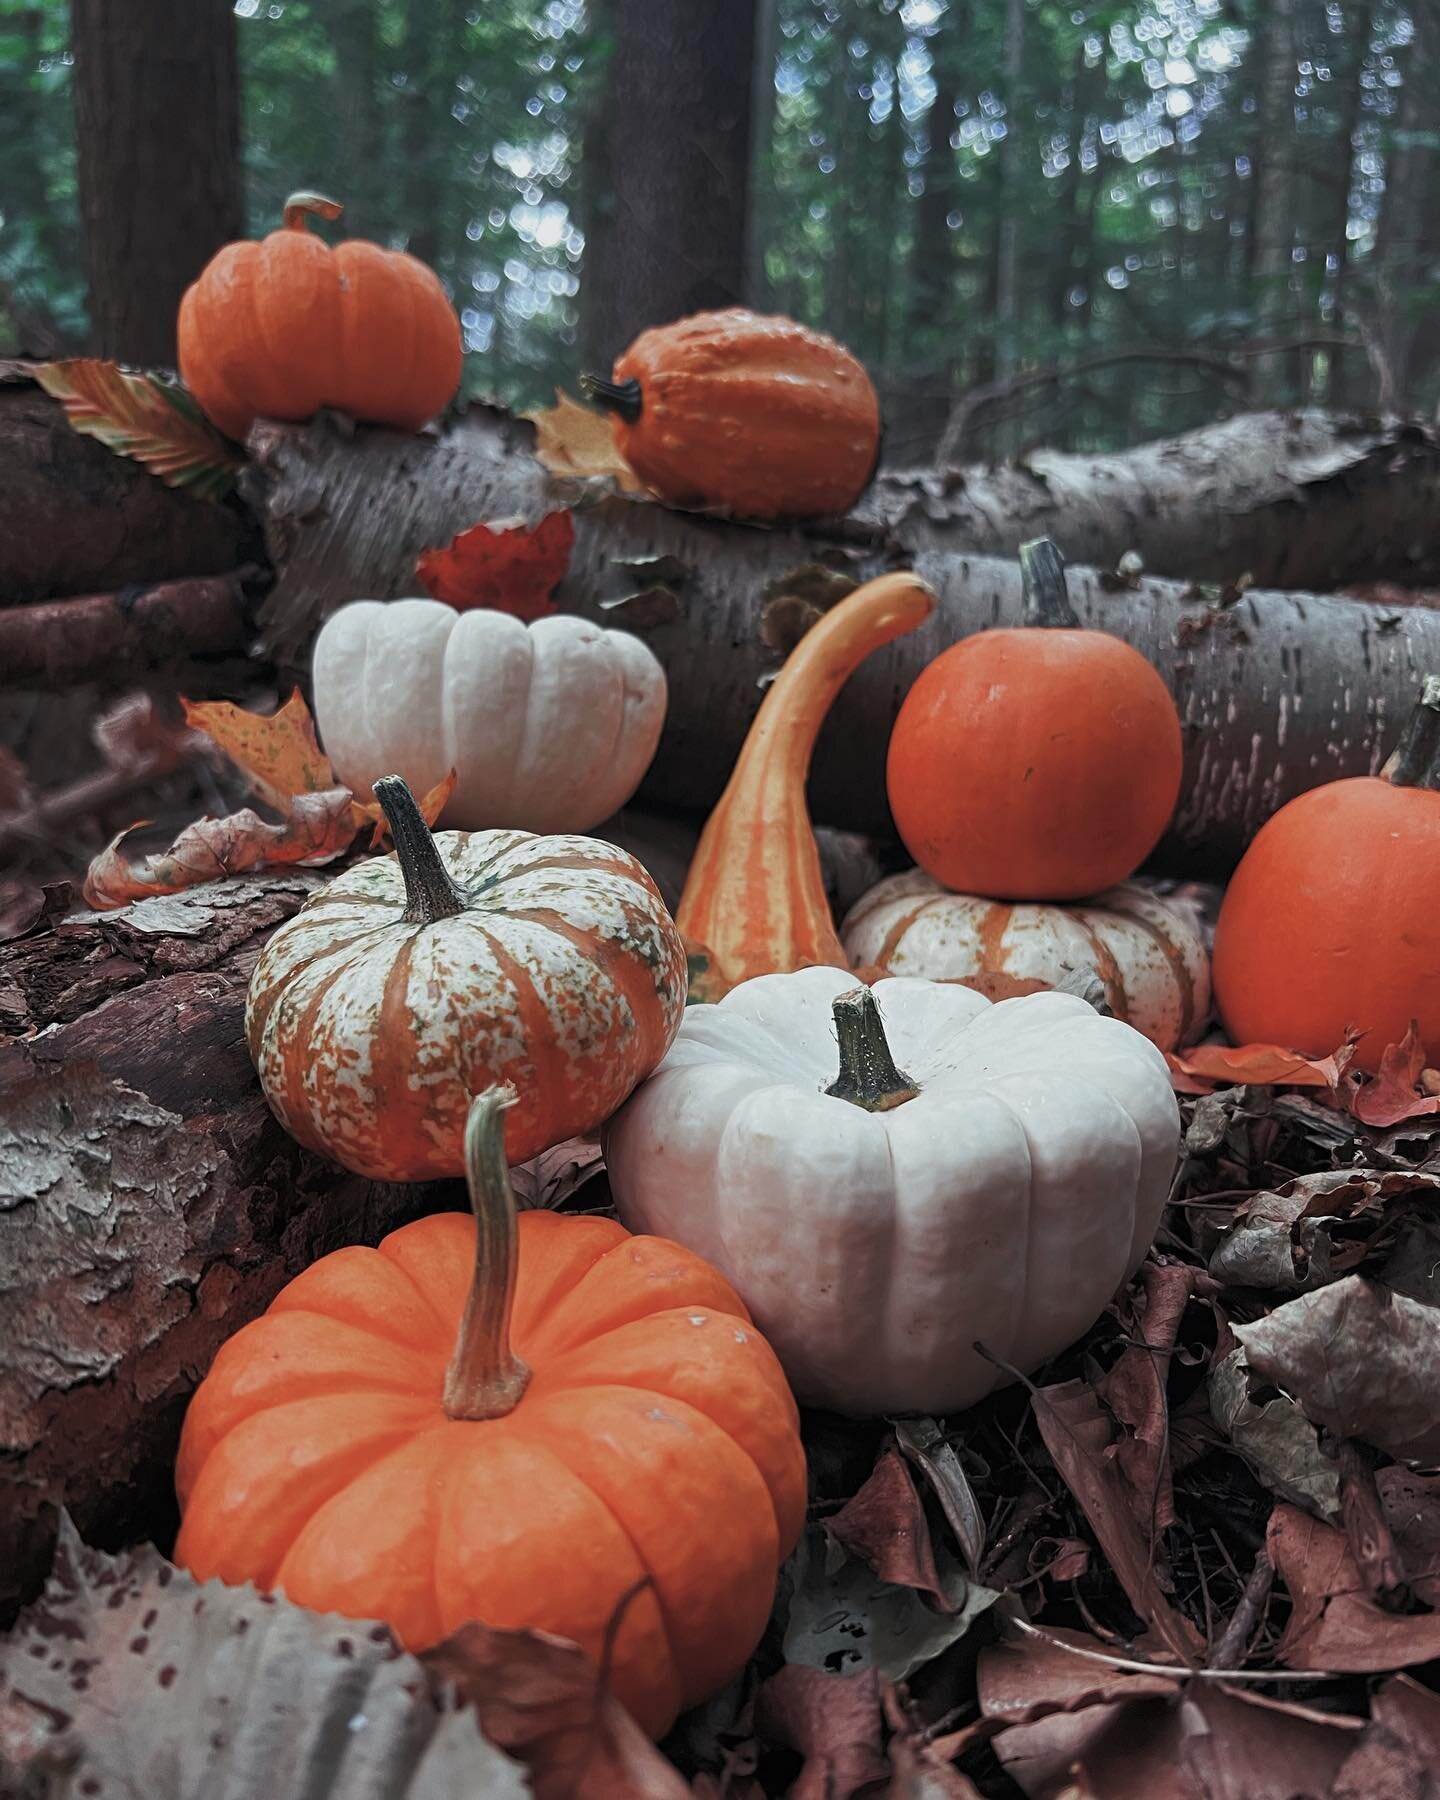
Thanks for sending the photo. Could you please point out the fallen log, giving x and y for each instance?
(116, 637)
(1278, 691)
(76, 519)
(149, 1203)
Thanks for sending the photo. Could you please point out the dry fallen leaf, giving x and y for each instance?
(539, 1699)
(135, 734)
(1304, 1234)
(279, 751)
(1275, 1438)
(130, 1679)
(1257, 1065)
(548, 1180)
(156, 423)
(885, 1526)
(1393, 1094)
(1335, 1624)
(431, 805)
(576, 441)
(1077, 1432)
(506, 565)
(1134, 1390)
(833, 1721)
(1398, 1755)
(1362, 1361)
(319, 827)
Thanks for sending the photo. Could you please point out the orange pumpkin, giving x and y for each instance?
(539, 1423)
(413, 981)
(1330, 921)
(736, 412)
(1035, 764)
(279, 329)
(754, 900)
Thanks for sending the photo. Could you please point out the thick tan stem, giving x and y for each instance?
(486, 1379)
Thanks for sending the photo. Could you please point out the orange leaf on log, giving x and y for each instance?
(576, 441)
(280, 753)
(317, 828)
(506, 564)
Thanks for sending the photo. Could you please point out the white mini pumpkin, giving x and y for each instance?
(1147, 950)
(549, 727)
(993, 1173)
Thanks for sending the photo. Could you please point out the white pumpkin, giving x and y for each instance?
(994, 1173)
(1148, 951)
(549, 727)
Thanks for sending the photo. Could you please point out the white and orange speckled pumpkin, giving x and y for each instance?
(465, 961)
(1148, 951)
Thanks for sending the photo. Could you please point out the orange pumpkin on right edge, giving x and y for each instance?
(1038, 763)
(1332, 919)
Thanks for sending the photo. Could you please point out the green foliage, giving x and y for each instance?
(897, 156)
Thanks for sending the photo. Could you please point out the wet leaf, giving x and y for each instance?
(506, 565)
(841, 1617)
(153, 422)
(576, 441)
(833, 1721)
(278, 751)
(1362, 1362)
(540, 1700)
(318, 828)
(885, 1526)
(127, 1672)
(1277, 1441)
(1315, 1228)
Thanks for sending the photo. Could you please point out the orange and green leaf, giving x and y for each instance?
(154, 422)
(280, 753)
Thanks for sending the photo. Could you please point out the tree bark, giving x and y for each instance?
(676, 152)
(75, 518)
(113, 638)
(149, 1202)
(1409, 237)
(352, 26)
(1276, 174)
(1007, 246)
(1278, 692)
(157, 117)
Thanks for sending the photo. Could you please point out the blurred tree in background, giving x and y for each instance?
(1182, 206)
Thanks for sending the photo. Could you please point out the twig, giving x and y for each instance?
(1176, 1671)
(91, 794)
(1233, 1644)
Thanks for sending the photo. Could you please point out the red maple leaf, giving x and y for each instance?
(505, 564)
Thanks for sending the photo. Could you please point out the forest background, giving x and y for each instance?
(1177, 209)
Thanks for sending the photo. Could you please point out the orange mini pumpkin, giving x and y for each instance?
(736, 412)
(1330, 922)
(278, 329)
(1035, 764)
(540, 1423)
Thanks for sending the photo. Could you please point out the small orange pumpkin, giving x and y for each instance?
(1035, 764)
(279, 329)
(754, 900)
(1330, 921)
(736, 412)
(539, 1423)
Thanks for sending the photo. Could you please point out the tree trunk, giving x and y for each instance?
(1408, 244)
(77, 519)
(157, 118)
(352, 28)
(1007, 242)
(1275, 160)
(149, 1202)
(761, 173)
(677, 154)
(347, 517)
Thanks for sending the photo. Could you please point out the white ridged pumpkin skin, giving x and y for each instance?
(1006, 1202)
(1148, 951)
(549, 727)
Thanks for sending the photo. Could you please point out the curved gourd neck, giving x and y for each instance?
(1415, 761)
(486, 1379)
(431, 892)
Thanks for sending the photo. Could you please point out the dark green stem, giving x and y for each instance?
(1042, 575)
(868, 1076)
(621, 397)
(431, 892)
(486, 1379)
(1416, 758)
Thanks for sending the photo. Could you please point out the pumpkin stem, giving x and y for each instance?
(302, 207)
(621, 397)
(1042, 575)
(1415, 761)
(486, 1379)
(431, 892)
(868, 1076)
